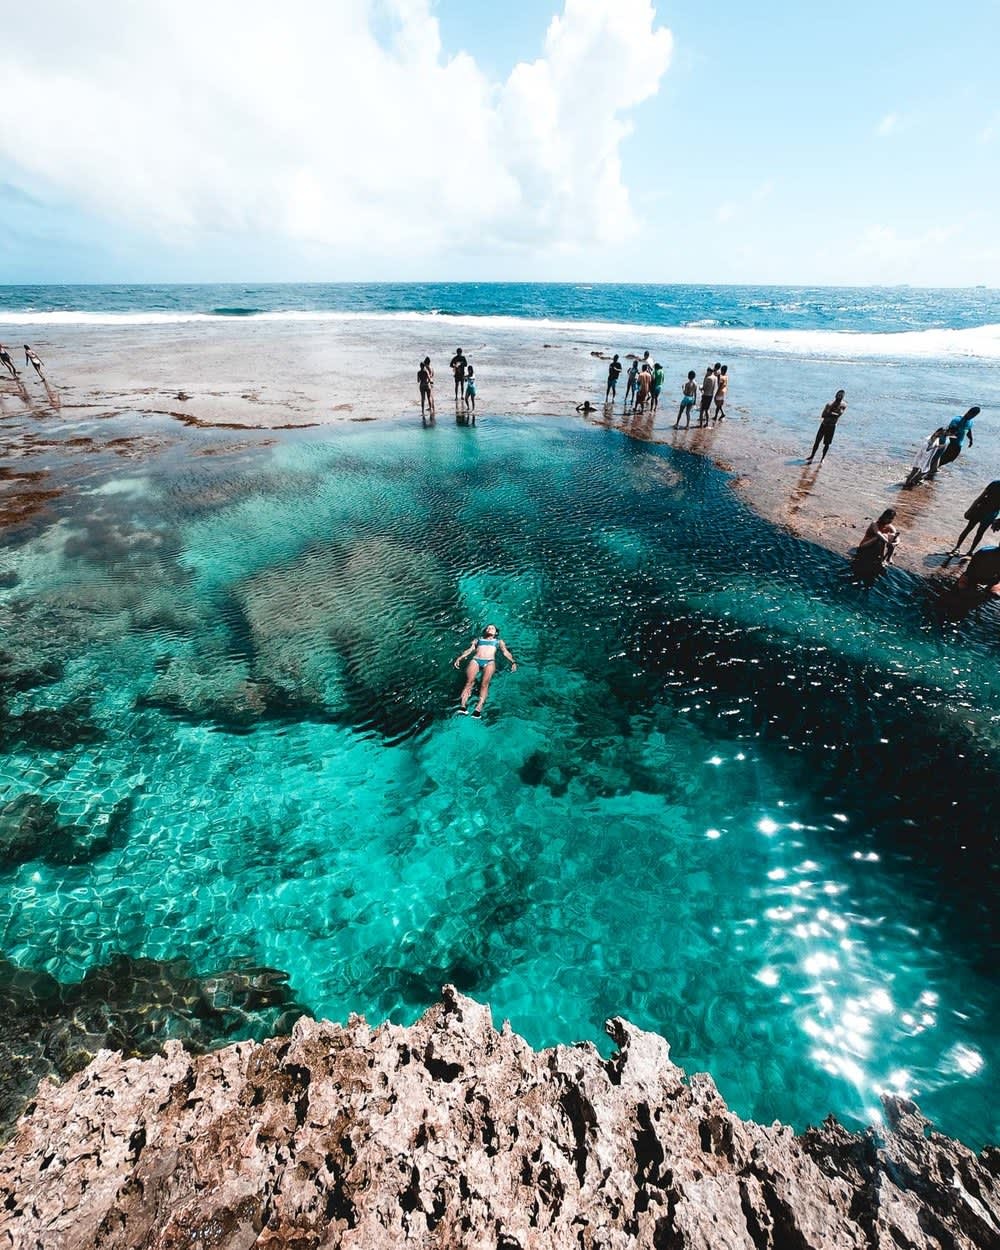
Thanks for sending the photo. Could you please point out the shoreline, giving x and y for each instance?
(267, 377)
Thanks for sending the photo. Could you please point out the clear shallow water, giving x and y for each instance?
(728, 794)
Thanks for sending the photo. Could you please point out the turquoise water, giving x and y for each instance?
(729, 793)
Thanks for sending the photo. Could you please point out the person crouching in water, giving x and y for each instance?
(482, 665)
(878, 546)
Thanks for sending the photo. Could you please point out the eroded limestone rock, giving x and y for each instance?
(451, 1134)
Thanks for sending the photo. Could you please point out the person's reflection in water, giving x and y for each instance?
(641, 425)
(802, 488)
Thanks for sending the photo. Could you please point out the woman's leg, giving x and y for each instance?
(471, 669)
(484, 685)
(819, 438)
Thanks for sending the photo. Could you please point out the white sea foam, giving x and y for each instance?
(973, 343)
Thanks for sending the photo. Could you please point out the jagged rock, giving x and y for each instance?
(451, 1134)
(130, 1005)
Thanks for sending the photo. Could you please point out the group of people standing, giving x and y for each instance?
(644, 384)
(30, 358)
(465, 383)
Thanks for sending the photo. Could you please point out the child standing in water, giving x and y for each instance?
(470, 391)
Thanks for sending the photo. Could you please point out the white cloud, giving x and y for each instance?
(887, 125)
(340, 123)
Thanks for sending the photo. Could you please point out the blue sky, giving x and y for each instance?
(393, 139)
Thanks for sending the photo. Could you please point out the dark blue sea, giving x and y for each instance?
(849, 310)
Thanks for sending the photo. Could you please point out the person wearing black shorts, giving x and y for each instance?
(458, 363)
(828, 425)
(614, 372)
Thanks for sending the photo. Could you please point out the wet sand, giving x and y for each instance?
(130, 391)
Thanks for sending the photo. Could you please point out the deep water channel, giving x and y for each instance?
(729, 793)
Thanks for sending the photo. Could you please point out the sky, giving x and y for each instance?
(560, 140)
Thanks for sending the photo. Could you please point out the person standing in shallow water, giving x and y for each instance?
(6, 361)
(482, 665)
(721, 387)
(688, 396)
(614, 372)
(425, 380)
(707, 395)
(470, 392)
(643, 389)
(457, 364)
(657, 386)
(832, 413)
(630, 383)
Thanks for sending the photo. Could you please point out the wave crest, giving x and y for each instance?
(974, 342)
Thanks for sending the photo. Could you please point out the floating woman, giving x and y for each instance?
(482, 665)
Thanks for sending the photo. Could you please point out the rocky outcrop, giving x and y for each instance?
(52, 1028)
(451, 1134)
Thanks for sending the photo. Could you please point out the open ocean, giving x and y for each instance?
(964, 322)
(730, 793)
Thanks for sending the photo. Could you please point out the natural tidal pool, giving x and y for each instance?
(729, 793)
